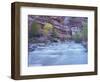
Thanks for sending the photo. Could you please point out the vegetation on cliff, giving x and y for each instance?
(46, 29)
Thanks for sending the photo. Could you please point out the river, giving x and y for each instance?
(66, 53)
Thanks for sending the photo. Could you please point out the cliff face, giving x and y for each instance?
(55, 28)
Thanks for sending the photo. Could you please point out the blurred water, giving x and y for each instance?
(58, 54)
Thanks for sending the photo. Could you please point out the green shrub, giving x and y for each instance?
(77, 37)
(54, 33)
(81, 36)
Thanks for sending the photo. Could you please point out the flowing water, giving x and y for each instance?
(66, 53)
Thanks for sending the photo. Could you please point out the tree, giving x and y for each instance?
(35, 29)
(47, 28)
(84, 32)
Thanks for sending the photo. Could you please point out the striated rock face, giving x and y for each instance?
(57, 22)
(54, 27)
